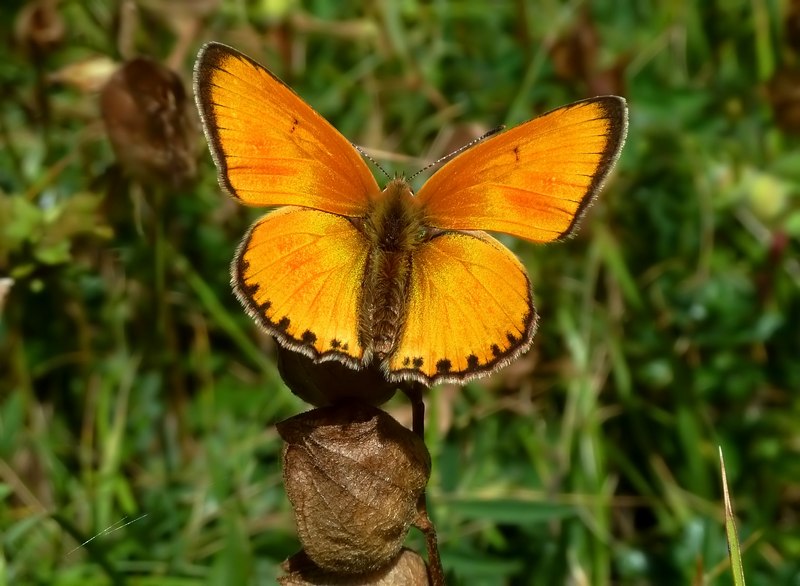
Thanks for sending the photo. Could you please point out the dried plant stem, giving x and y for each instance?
(424, 524)
(414, 392)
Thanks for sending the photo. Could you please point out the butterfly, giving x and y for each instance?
(344, 270)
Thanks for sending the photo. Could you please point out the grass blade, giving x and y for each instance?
(734, 550)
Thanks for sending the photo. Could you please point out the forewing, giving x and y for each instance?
(535, 180)
(270, 147)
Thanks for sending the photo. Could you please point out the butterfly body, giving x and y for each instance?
(342, 270)
(394, 229)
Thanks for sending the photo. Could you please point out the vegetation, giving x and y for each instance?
(138, 401)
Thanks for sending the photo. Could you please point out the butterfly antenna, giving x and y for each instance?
(458, 151)
(371, 160)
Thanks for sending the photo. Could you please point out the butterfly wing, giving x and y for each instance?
(469, 310)
(297, 273)
(535, 180)
(270, 147)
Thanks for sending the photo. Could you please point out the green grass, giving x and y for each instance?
(670, 326)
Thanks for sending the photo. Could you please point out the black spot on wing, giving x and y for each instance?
(249, 289)
(414, 362)
(476, 363)
(444, 366)
(281, 326)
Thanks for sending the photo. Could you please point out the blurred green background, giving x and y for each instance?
(137, 399)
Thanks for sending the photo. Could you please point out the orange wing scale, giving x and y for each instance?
(270, 147)
(469, 310)
(533, 181)
(297, 272)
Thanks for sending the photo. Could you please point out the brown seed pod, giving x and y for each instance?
(144, 108)
(407, 569)
(330, 382)
(354, 476)
(39, 27)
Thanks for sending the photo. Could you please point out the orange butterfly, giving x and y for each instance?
(346, 271)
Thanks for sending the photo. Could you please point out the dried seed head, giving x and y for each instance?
(330, 382)
(407, 569)
(39, 27)
(146, 114)
(354, 476)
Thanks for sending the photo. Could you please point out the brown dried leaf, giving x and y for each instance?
(791, 25)
(784, 94)
(353, 475)
(87, 75)
(574, 55)
(5, 287)
(407, 569)
(575, 58)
